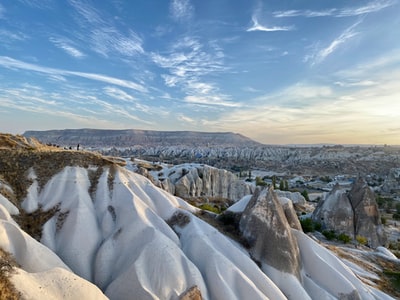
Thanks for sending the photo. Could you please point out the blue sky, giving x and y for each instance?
(279, 72)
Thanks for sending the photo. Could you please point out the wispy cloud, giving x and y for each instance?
(117, 94)
(356, 83)
(15, 36)
(41, 4)
(321, 54)
(186, 119)
(181, 10)
(65, 45)
(2, 11)
(371, 7)
(103, 35)
(11, 63)
(79, 106)
(304, 13)
(256, 26)
(250, 89)
(187, 63)
(211, 100)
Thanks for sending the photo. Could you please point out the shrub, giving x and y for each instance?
(326, 179)
(317, 226)
(260, 182)
(361, 239)
(329, 234)
(307, 225)
(344, 238)
(305, 195)
(209, 207)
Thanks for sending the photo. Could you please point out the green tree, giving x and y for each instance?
(305, 195)
(286, 187)
(281, 185)
(274, 182)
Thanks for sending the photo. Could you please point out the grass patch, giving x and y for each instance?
(32, 223)
(7, 267)
(394, 277)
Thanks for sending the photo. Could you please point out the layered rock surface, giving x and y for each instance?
(353, 213)
(266, 229)
(197, 180)
(132, 137)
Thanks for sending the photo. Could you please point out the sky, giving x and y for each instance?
(279, 72)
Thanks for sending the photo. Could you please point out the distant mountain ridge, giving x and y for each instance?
(132, 137)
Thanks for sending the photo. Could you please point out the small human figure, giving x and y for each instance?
(77, 147)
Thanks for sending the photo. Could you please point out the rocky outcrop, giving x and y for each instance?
(195, 180)
(335, 212)
(290, 213)
(353, 213)
(267, 231)
(367, 219)
(191, 294)
(295, 197)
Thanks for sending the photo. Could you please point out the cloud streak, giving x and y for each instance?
(256, 26)
(102, 35)
(2, 11)
(118, 94)
(187, 62)
(181, 10)
(65, 45)
(321, 54)
(371, 7)
(14, 64)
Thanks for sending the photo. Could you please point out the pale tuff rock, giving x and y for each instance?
(354, 213)
(290, 213)
(195, 180)
(367, 219)
(295, 197)
(335, 212)
(268, 233)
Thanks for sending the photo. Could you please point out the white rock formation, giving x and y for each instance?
(197, 180)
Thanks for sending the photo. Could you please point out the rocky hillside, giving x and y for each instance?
(312, 160)
(146, 138)
(196, 181)
(354, 213)
(80, 226)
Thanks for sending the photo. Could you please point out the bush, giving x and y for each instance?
(344, 238)
(305, 195)
(361, 239)
(260, 182)
(209, 207)
(317, 226)
(307, 225)
(329, 234)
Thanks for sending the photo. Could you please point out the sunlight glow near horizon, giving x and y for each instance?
(277, 72)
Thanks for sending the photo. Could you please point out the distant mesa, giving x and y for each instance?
(132, 137)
